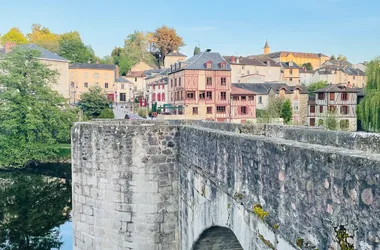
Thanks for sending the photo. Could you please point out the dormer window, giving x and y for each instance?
(208, 65)
(222, 65)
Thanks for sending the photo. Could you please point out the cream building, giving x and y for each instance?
(173, 57)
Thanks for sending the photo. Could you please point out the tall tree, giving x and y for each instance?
(94, 102)
(14, 35)
(333, 58)
(308, 66)
(166, 40)
(197, 50)
(32, 120)
(44, 38)
(75, 51)
(341, 58)
(286, 111)
(369, 107)
(316, 85)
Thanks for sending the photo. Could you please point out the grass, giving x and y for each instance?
(64, 150)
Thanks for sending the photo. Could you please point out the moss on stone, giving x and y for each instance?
(266, 242)
(239, 196)
(342, 236)
(299, 242)
(259, 211)
(276, 226)
(228, 205)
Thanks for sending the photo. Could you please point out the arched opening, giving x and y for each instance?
(217, 238)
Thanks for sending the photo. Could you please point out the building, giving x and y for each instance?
(243, 105)
(334, 74)
(253, 69)
(85, 75)
(306, 76)
(157, 88)
(290, 73)
(201, 89)
(316, 59)
(336, 101)
(173, 57)
(297, 95)
(53, 61)
(137, 76)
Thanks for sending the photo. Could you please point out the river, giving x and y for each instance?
(35, 208)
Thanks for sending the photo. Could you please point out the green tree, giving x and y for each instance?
(331, 121)
(94, 102)
(14, 35)
(286, 111)
(107, 113)
(43, 37)
(316, 85)
(332, 58)
(273, 110)
(197, 50)
(308, 66)
(33, 117)
(369, 108)
(75, 50)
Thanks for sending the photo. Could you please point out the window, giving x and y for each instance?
(295, 106)
(344, 96)
(312, 122)
(251, 98)
(85, 74)
(154, 97)
(208, 65)
(290, 79)
(243, 110)
(220, 109)
(153, 86)
(201, 95)
(190, 95)
(320, 109)
(135, 79)
(123, 97)
(260, 99)
(159, 97)
(158, 86)
(223, 95)
(106, 85)
(171, 97)
(209, 110)
(331, 108)
(353, 77)
(344, 110)
(291, 72)
(181, 95)
(85, 85)
(332, 96)
(195, 110)
(105, 75)
(312, 109)
(222, 65)
(122, 86)
(223, 81)
(209, 95)
(235, 98)
(175, 82)
(209, 81)
(321, 96)
(163, 97)
(72, 84)
(171, 83)
(96, 76)
(243, 98)
(179, 82)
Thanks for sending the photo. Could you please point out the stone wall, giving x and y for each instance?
(125, 188)
(277, 194)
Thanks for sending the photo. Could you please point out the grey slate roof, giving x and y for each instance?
(122, 79)
(197, 62)
(333, 88)
(287, 65)
(92, 66)
(264, 88)
(45, 54)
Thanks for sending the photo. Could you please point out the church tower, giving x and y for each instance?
(266, 48)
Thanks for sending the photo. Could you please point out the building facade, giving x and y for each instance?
(137, 76)
(333, 74)
(335, 102)
(158, 92)
(173, 57)
(290, 73)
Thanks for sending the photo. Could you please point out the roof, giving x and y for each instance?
(333, 88)
(197, 62)
(122, 79)
(135, 74)
(341, 63)
(151, 72)
(264, 88)
(290, 65)
(306, 71)
(240, 91)
(329, 69)
(266, 45)
(92, 66)
(176, 54)
(251, 60)
(45, 54)
(296, 54)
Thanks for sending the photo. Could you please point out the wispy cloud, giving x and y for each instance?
(204, 28)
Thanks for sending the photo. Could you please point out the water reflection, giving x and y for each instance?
(32, 207)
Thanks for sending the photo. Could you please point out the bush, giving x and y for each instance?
(107, 113)
(344, 124)
(331, 121)
(142, 112)
(286, 111)
(320, 122)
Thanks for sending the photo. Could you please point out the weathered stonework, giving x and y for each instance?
(165, 185)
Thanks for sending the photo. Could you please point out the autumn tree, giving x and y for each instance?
(44, 38)
(14, 35)
(369, 107)
(166, 40)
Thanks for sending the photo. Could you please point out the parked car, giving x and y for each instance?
(132, 117)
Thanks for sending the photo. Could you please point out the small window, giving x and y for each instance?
(72, 84)
(153, 97)
(320, 109)
(201, 95)
(106, 85)
(243, 110)
(243, 98)
(251, 98)
(290, 79)
(344, 96)
(208, 65)
(331, 108)
(122, 86)
(171, 97)
(223, 95)
(223, 81)
(209, 110)
(312, 122)
(96, 76)
(221, 109)
(353, 77)
(332, 96)
(181, 95)
(291, 72)
(179, 82)
(159, 97)
(209, 95)
(209, 81)
(321, 96)
(344, 110)
(135, 79)
(190, 95)
(195, 110)
(171, 83)
(123, 97)
(158, 86)
(235, 98)
(222, 65)
(153, 86)
(85, 84)
(163, 97)
(260, 99)
(312, 109)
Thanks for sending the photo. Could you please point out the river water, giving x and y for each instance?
(35, 208)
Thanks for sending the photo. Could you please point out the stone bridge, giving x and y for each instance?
(204, 185)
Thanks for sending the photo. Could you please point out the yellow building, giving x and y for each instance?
(137, 77)
(316, 59)
(173, 57)
(290, 73)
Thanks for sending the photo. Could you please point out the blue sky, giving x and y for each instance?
(349, 27)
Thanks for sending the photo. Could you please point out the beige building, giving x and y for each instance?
(336, 74)
(53, 61)
(253, 69)
(137, 76)
(173, 57)
(290, 73)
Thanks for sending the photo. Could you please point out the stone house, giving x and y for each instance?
(53, 61)
(306, 76)
(290, 73)
(339, 101)
(173, 57)
(137, 76)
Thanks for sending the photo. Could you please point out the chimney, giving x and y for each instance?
(175, 51)
(9, 46)
(237, 60)
(117, 72)
(233, 59)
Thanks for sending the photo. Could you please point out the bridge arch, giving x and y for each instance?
(217, 238)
